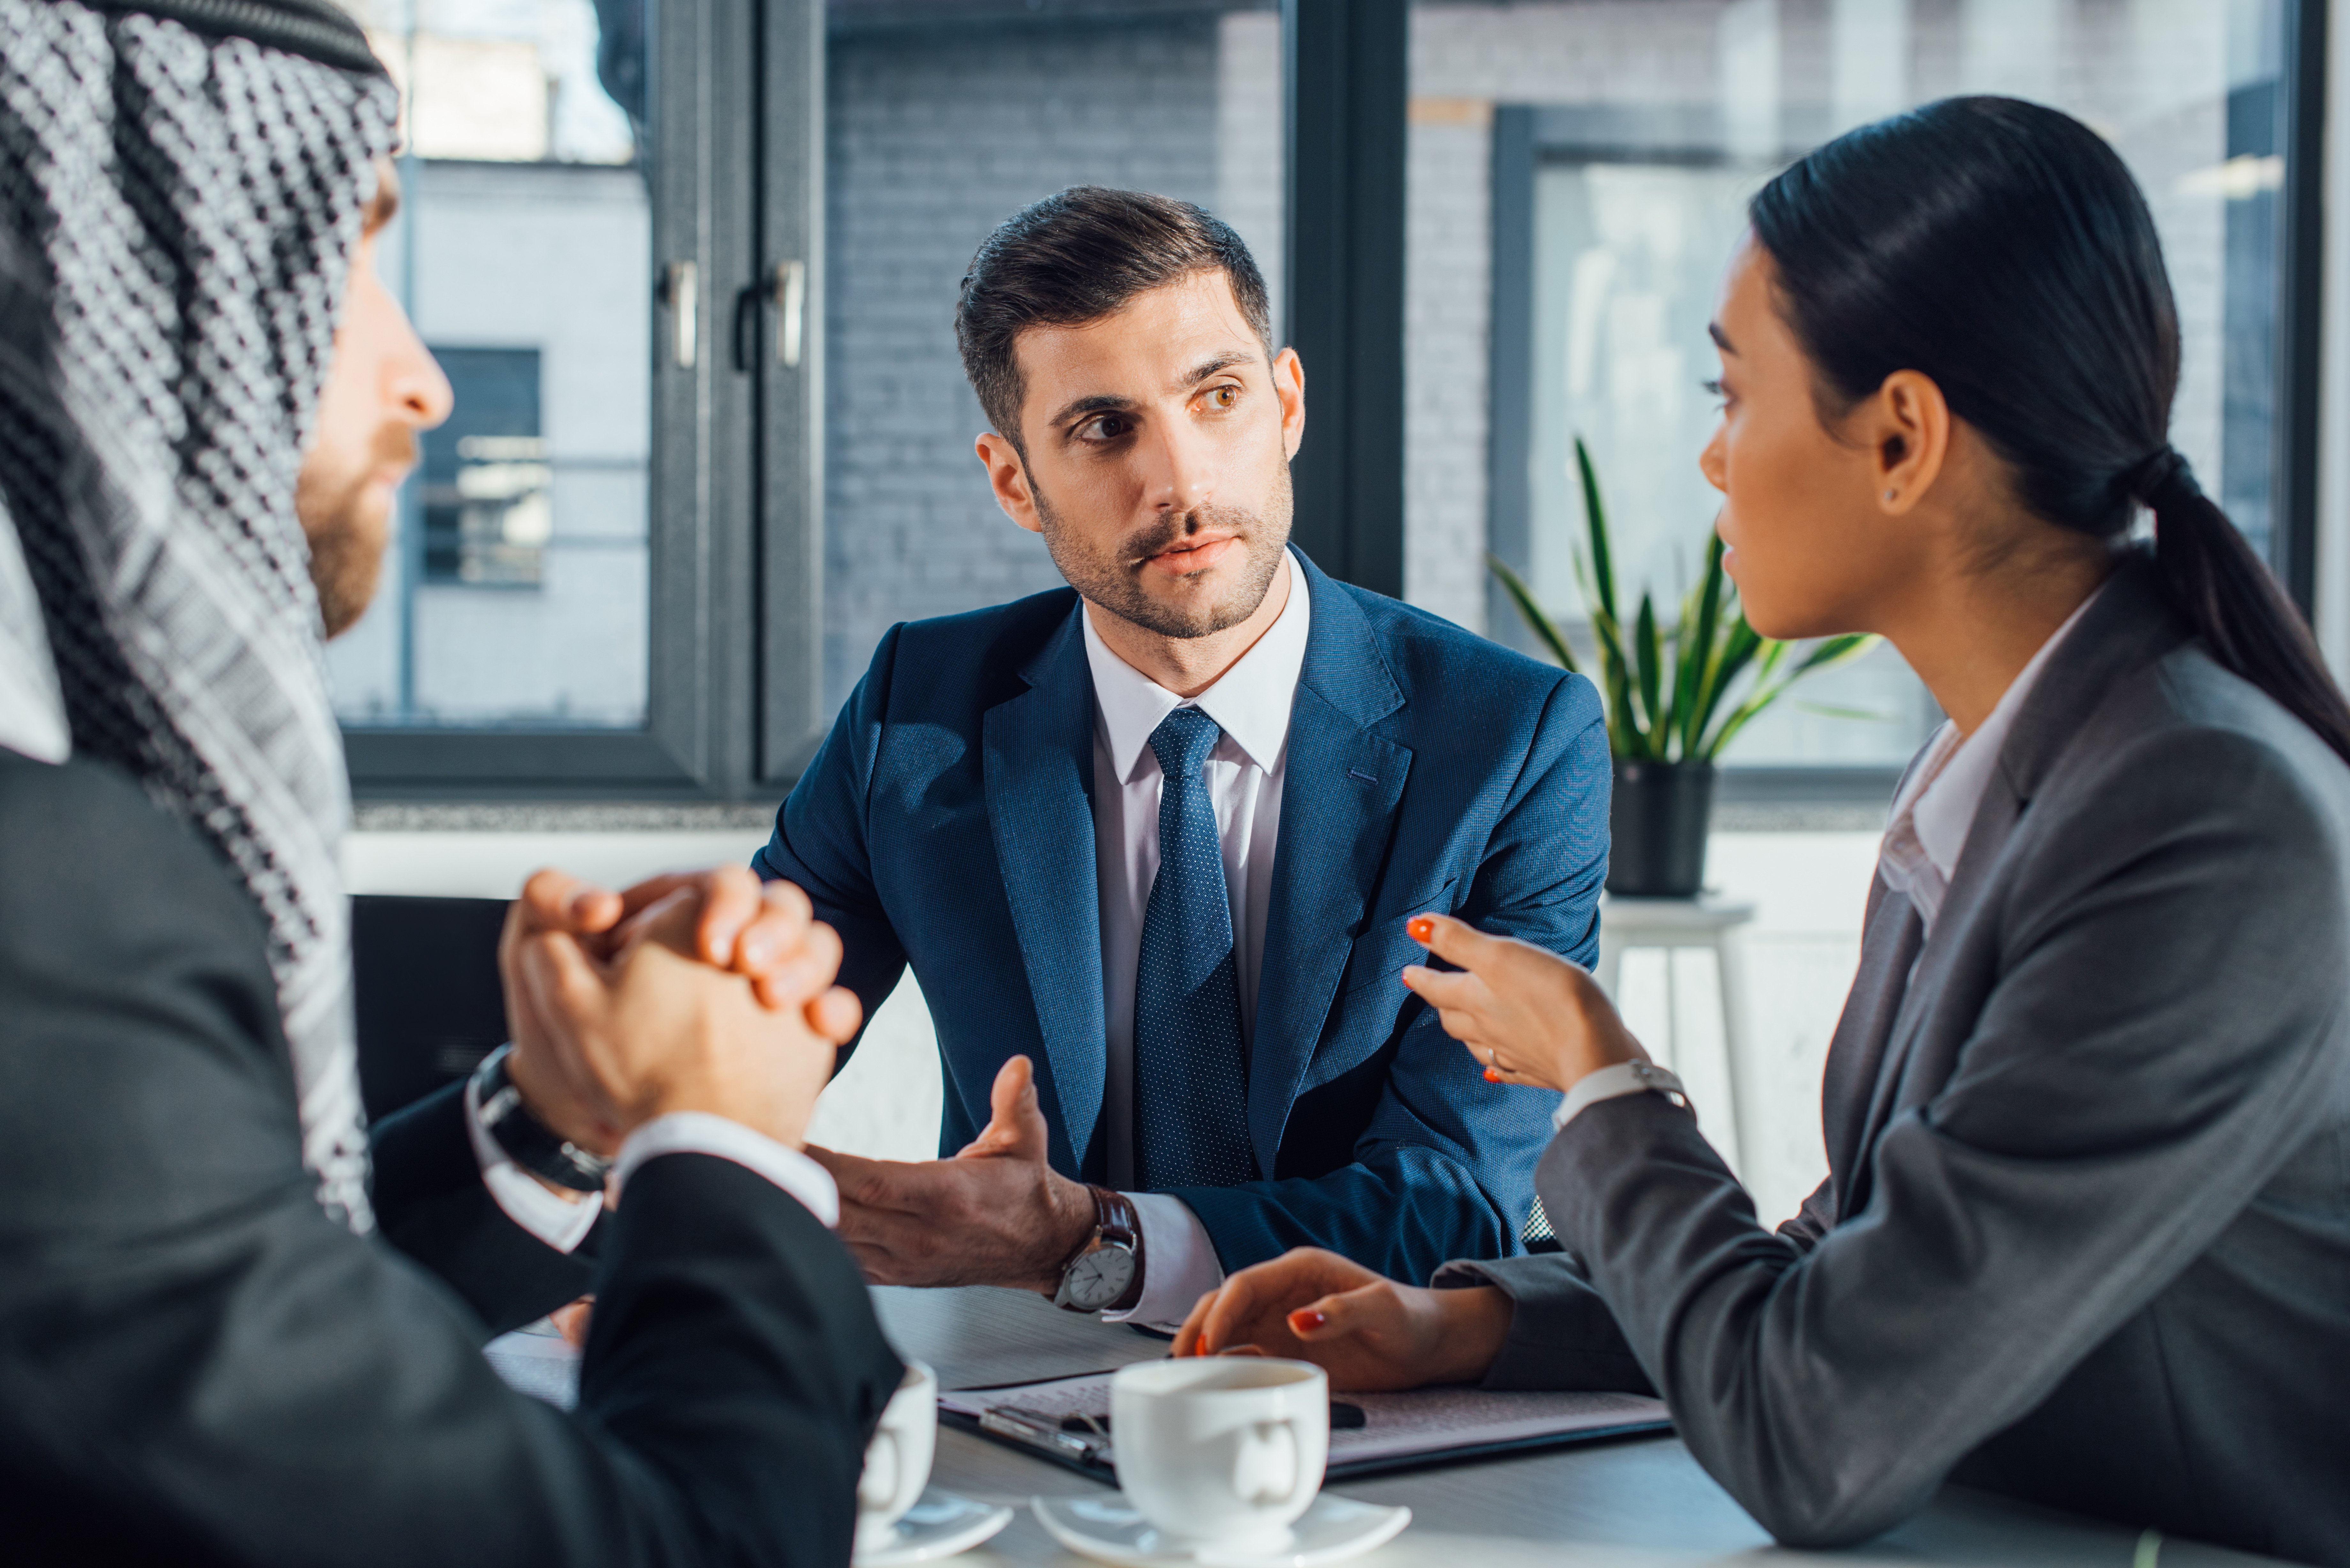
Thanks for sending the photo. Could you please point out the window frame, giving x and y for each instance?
(736, 509)
(2300, 302)
(1524, 136)
(1346, 67)
(697, 743)
(790, 445)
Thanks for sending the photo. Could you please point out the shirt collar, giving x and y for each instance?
(1948, 785)
(1250, 701)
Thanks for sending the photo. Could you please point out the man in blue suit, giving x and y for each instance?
(1150, 842)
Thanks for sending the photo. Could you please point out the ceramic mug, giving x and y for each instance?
(1228, 1451)
(897, 1461)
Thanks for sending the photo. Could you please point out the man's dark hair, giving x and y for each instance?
(1078, 257)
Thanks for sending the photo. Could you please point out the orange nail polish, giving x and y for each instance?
(1491, 1076)
(1420, 928)
(1306, 1320)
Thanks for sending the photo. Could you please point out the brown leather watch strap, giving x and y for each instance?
(1116, 1219)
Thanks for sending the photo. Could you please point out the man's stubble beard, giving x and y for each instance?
(1112, 582)
(348, 530)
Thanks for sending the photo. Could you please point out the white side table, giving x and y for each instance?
(1675, 924)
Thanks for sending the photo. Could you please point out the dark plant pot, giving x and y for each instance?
(1657, 828)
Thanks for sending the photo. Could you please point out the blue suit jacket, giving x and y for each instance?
(948, 822)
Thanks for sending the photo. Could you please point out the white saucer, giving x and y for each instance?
(939, 1525)
(1106, 1529)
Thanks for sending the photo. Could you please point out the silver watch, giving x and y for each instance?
(1107, 1272)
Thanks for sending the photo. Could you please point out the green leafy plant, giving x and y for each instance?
(1668, 688)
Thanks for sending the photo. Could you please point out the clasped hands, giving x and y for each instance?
(1526, 1016)
(700, 992)
(710, 993)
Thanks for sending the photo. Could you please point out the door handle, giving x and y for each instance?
(791, 312)
(683, 287)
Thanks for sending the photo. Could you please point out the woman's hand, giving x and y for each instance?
(1527, 1016)
(1367, 1332)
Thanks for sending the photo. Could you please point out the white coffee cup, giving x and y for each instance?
(897, 1461)
(1226, 1449)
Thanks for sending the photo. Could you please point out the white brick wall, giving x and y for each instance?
(1447, 289)
(1603, 51)
(1249, 171)
(937, 137)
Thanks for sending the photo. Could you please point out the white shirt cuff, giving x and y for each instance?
(561, 1222)
(1614, 1083)
(699, 1132)
(1179, 1262)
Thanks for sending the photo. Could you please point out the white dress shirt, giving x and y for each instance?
(1923, 839)
(1251, 703)
(1936, 808)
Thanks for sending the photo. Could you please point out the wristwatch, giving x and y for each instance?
(529, 1142)
(1662, 1081)
(1106, 1275)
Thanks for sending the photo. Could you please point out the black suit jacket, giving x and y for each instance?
(196, 1366)
(430, 1202)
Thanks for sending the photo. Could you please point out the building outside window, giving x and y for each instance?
(487, 503)
(517, 593)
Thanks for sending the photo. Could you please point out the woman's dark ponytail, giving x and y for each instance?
(2003, 249)
(2231, 598)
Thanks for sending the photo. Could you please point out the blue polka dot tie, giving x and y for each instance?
(1190, 1077)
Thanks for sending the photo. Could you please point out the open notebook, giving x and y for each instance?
(1067, 1420)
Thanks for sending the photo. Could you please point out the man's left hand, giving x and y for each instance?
(995, 1214)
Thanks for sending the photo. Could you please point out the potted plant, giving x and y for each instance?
(1668, 696)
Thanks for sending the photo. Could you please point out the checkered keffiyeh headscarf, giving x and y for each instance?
(182, 184)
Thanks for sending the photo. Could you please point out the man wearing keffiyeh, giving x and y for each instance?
(218, 1339)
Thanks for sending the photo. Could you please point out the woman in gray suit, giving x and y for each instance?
(2085, 1238)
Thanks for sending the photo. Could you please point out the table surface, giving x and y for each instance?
(1640, 1502)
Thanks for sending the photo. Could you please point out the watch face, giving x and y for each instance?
(1098, 1278)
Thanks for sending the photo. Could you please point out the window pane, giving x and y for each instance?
(515, 592)
(945, 121)
(1645, 126)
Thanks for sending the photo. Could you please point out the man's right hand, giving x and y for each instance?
(1367, 1331)
(619, 1014)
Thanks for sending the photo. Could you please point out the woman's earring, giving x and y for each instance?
(1889, 494)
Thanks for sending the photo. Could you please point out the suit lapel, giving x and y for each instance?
(1342, 785)
(1892, 934)
(1888, 950)
(1970, 888)
(2129, 625)
(1038, 765)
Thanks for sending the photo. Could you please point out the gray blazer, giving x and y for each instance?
(2085, 1237)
